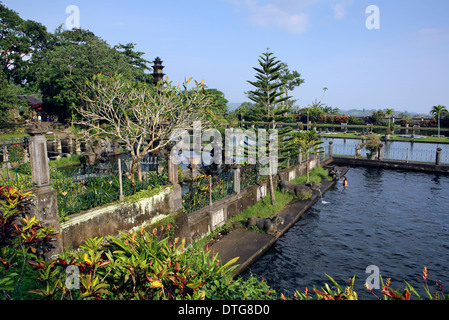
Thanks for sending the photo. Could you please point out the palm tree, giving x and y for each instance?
(436, 112)
(389, 113)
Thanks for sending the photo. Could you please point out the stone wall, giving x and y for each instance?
(129, 216)
(123, 216)
(209, 218)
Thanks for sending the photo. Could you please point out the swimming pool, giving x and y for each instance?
(395, 220)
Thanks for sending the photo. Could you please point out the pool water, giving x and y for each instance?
(395, 220)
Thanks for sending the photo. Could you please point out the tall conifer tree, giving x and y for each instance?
(268, 93)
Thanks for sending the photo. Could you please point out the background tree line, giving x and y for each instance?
(56, 65)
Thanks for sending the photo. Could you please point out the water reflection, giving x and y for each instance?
(395, 150)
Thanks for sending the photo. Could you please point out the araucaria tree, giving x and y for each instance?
(141, 116)
(268, 93)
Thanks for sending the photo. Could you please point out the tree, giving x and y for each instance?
(290, 80)
(136, 60)
(389, 113)
(244, 108)
(377, 117)
(268, 90)
(309, 144)
(19, 40)
(138, 115)
(436, 112)
(268, 94)
(220, 102)
(8, 98)
(70, 59)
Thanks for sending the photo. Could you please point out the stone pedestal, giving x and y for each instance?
(237, 180)
(44, 204)
(331, 148)
(438, 157)
(173, 168)
(38, 155)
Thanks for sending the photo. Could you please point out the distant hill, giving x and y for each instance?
(233, 105)
(351, 112)
(368, 112)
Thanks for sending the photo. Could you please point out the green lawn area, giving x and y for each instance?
(7, 136)
(393, 137)
(316, 175)
(264, 208)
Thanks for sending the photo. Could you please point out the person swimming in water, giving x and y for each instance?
(345, 182)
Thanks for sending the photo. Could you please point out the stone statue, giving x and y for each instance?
(269, 225)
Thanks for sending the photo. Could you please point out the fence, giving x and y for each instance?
(204, 190)
(82, 188)
(403, 154)
(89, 187)
(13, 170)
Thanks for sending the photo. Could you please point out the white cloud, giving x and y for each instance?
(428, 36)
(287, 15)
(340, 9)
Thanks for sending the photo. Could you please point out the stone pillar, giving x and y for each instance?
(59, 148)
(77, 147)
(438, 157)
(38, 155)
(5, 154)
(70, 144)
(173, 168)
(331, 148)
(44, 204)
(381, 152)
(237, 180)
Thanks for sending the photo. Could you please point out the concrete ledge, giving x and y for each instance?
(391, 164)
(250, 245)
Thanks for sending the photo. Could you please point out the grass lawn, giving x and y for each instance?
(315, 175)
(64, 162)
(7, 136)
(393, 137)
(264, 208)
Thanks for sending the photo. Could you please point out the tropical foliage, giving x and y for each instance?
(139, 116)
(437, 111)
(143, 265)
(148, 264)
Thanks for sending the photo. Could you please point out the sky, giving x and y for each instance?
(393, 57)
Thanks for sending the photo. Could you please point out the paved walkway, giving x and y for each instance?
(249, 245)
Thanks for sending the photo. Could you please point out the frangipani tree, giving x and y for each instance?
(141, 116)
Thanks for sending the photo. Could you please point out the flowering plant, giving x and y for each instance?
(16, 153)
(372, 144)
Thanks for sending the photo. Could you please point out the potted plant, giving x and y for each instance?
(387, 133)
(372, 145)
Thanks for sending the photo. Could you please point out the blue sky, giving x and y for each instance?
(403, 65)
